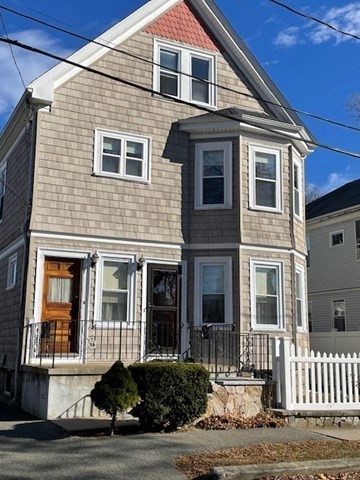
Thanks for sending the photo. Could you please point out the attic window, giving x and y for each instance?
(184, 73)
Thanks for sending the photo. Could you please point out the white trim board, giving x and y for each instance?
(19, 242)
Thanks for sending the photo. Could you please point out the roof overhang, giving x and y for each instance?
(205, 125)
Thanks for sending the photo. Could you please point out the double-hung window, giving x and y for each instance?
(339, 315)
(265, 179)
(213, 175)
(297, 188)
(300, 298)
(2, 190)
(120, 155)
(213, 290)
(266, 288)
(12, 272)
(357, 239)
(115, 289)
(184, 73)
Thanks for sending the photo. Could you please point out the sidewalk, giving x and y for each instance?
(34, 449)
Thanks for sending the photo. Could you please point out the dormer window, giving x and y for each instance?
(184, 73)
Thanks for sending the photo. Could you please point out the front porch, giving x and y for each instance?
(60, 369)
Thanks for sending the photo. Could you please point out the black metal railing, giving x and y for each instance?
(225, 351)
(58, 340)
(219, 348)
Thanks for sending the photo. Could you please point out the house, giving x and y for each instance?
(131, 218)
(333, 238)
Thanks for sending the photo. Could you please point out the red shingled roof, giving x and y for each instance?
(180, 24)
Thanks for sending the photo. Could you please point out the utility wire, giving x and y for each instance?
(310, 17)
(169, 97)
(7, 186)
(138, 57)
(12, 52)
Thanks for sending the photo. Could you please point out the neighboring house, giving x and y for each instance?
(127, 219)
(333, 242)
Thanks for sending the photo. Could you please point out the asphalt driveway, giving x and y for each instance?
(36, 449)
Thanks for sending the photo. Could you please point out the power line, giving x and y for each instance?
(310, 17)
(169, 97)
(138, 57)
(12, 52)
(7, 186)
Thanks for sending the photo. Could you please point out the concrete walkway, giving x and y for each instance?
(36, 449)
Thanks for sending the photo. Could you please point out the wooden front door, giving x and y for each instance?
(163, 310)
(60, 310)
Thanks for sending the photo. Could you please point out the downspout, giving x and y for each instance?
(240, 200)
(293, 247)
(32, 123)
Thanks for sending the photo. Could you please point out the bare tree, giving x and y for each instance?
(353, 105)
(312, 192)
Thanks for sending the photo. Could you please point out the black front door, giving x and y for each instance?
(163, 310)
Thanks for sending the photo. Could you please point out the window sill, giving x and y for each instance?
(261, 328)
(213, 207)
(114, 325)
(158, 96)
(268, 210)
(12, 287)
(118, 177)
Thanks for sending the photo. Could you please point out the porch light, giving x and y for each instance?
(94, 259)
(140, 263)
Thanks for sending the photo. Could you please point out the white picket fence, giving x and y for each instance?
(308, 381)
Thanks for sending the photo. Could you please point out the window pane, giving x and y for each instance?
(339, 308)
(339, 324)
(265, 165)
(165, 288)
(299, 313)
(298, 285)
(200, 91)
(114, 306)
(213, 163)
(200, 68)
(265, 193)
(169, 84)
(266, 281)
(169, 59)
(296, 176)
(134, 150)
(266, 310)
(213, 279)
(111, 164)
(134, 168)
(59, 290)
(111, 145)
(115, 275)
(297, 202)
(213, 309)
(213, 191)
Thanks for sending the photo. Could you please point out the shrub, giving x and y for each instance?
(171, 394)
(115, 392)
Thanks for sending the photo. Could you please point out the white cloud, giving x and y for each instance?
(269, 63)
(288, 37)
(31, 66)
(337, 179)
(346, 18)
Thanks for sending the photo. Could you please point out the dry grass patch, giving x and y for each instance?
(197, 465)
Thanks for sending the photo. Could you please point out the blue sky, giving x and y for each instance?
(316, 69)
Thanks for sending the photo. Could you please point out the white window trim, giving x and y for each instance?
(11, 283)
(116, 257)
(200, 148)
(281, 321)
(185, 55)
(252, 175)
(333, 311)
(298, 163)
(335, 232)
(3, 168)
(100, 133)
(228, 300)
(302, 327)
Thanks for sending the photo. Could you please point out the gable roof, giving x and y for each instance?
(241, 59)
(340, 199)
